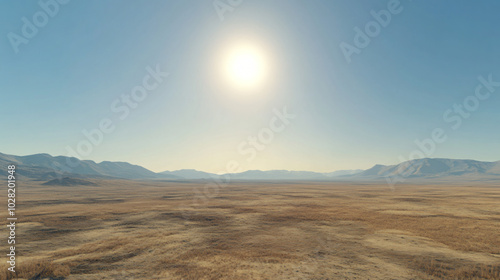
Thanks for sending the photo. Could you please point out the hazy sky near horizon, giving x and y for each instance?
(73, 71)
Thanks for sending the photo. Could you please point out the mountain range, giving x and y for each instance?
(46, 167)
(436, 169)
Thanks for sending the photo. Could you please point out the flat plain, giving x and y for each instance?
(246, 230)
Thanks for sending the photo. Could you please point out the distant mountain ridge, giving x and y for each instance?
(191, 174)
(277, 175)
(434, 168)
(67, 181)
(343, 172)
(46, 167)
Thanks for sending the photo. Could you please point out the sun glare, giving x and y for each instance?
(245, 67)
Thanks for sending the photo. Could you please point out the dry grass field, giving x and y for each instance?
(155, 230)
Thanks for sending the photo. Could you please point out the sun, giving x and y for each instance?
(246, 67)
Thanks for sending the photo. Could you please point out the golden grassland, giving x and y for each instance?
(311, 230)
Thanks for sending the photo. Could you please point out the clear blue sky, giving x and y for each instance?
(348, 115)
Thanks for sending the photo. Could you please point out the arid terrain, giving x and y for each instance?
(155, 230)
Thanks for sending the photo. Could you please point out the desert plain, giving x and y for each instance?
(125, 229)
